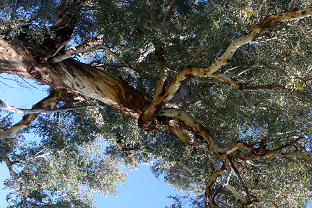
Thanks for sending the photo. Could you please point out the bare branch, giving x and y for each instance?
(47, 102)
(208, 71)
(180, 163)
(240, 179)
(151, 11)
(7, 107)
(197, 127)
(271, 154)
(57, 50)
(88, 50)
(226, 79)
(170, 8)
(210, 183)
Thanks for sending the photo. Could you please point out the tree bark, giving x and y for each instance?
(21, 59)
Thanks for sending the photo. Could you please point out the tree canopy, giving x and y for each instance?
(216, 94)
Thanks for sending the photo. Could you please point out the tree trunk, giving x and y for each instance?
(21, 57)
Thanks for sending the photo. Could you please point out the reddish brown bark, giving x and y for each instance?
(21, 58)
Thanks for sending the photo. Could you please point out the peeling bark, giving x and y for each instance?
(71, 74)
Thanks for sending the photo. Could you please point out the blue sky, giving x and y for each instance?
(141, 190)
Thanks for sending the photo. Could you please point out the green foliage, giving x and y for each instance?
(62, 173)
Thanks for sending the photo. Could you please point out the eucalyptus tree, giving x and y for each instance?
(230, 79)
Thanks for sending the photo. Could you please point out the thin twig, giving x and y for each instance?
(151, 11)
(240, 179)
(167, 15)
(57, 50)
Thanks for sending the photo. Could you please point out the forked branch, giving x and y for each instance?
(27, 119)
(192, 71)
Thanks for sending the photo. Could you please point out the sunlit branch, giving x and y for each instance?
(240, 179)
(175, 127)
(181, 164)
(271, 154)
(211, 181)
(258, 63)
(147, 118)
(57, 50)
(192, 71)
(47, 102)
(151, 11)
(226, 79)
(167, 15)
(256, 164)
(197, 127)
(7, 107)
(88, 50)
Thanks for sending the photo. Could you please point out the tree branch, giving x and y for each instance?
(151, 11)
(57, 50)
(240, 179)
(167, 15)
(258, 63)
(208, 71)
(7, 107)
(271, 154)
(210, 183)
(180, 163)
(88, 50)
(47, 102)
(197, 127)
(244, 86)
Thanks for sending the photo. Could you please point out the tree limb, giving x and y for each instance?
(88, 50)
(258, 63)
(7, 107)
(167, 15)
(210, 183)
(208, 71)
(151, 11)
(240, 179)
(47, 102)
(271, 154)
(197, 127)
